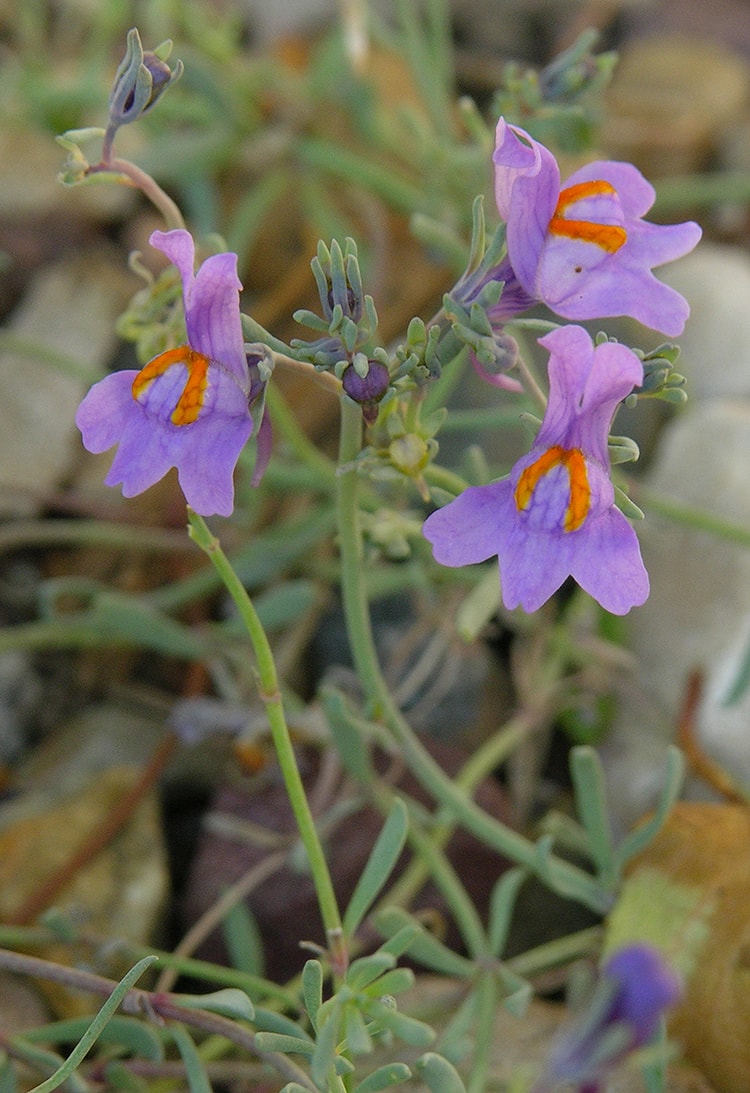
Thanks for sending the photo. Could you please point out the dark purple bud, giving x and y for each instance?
(367, 390)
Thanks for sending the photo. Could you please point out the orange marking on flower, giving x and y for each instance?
(190, 402)
(579, 500)
(610, 237)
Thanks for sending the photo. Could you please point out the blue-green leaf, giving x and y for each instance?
(439, 1075)
(383, 857)
(383, 1078)
(230, 1002)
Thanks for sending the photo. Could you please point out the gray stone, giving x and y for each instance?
(698, 613)
(68, 313)
(715, 347)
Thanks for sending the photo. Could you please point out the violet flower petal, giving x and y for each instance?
(554, 516)
(585, 250)
(212, 313)
(466, 530)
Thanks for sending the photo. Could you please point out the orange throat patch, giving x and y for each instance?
(579, 499)
(190, 402)
(610, 237)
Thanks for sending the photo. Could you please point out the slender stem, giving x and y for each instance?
(138, 1002)
(353, 587)
(274, 706)
(484, 1030)
(486, 759)
(146, 184)
(565, 877)
(453, 890)
(690, 516)
(25, 937)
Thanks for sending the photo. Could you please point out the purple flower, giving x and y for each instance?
(554, 516)
(636, 986)
(585, 250)
(188, 408)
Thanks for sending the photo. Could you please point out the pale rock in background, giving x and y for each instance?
(698, 614)
(67, 315)
(715, 347)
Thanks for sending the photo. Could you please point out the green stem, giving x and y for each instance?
(484, 1031)
(353, 587)
(486, 759)
(689, 516)
(274, 706)
(454, 892)
(129, 173)
(565, 877)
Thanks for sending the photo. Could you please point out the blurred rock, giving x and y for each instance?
(715, 346)
(68, 312)
(698, 613)
(670, 99)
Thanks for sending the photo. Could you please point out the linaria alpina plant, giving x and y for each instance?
(320, 530)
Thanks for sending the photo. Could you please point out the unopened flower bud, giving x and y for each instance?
(367, 389)
(141, 79)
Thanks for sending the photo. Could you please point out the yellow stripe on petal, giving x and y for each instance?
(610, 237)
(579, 501)
(190, 402)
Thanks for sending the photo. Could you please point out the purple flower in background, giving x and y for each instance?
(635, 987)
(555, 516)
(585, 250)
(189, 407)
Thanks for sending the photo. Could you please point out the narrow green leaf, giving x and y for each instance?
(425, 948)
(243, 939)
(383, 1078)
(350, 742)
(368, 968)
(230, 1002)
(194, 1070)
(636, 840)
(399, 942)
(384, 855)
(312, 989)
(590, 790)
(502, 902)
(324, 1054)
(358, 1040)
(91, 1034)
(518, 992)
(439, 1075)
(119, 1076)
(285, 1045)
(393, 982)
(140, 1039)
(408, 1029)
(271, 1021)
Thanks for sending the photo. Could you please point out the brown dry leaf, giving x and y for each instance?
(689, 894)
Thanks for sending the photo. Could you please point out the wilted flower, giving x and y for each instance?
(635, 988)
(189, 407)
(585, 250)
(555, 516)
